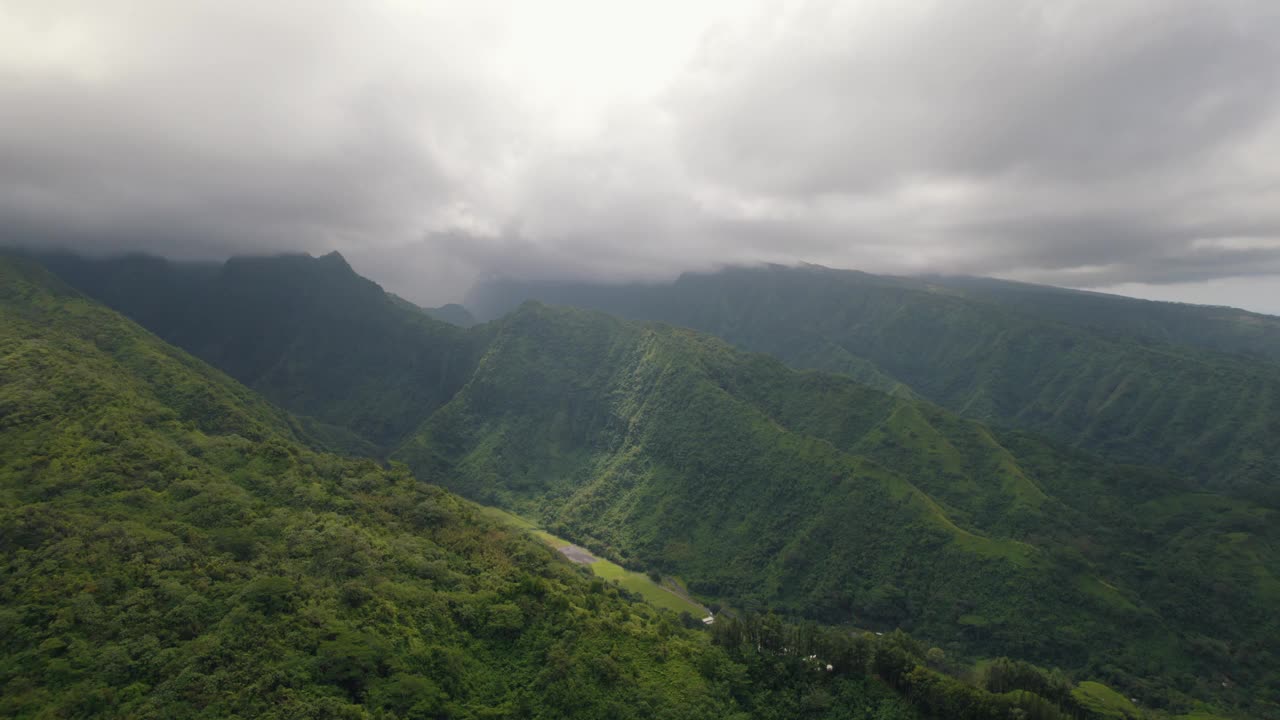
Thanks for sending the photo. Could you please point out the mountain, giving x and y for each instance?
(810, 493)
(1221, 329)
(168, 548)
(308, 333)
(1134, 381)
(453, 313)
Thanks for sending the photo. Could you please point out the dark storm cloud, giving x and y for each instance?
(1081, 143)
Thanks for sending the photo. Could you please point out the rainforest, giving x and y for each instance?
(269, 488)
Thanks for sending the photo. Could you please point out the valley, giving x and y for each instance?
(696, 360)
(688, 473)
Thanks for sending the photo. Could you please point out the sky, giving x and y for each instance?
(1130, 146)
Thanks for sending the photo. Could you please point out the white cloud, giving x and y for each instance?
(1081, 143)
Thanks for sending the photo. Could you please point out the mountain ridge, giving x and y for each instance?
(167, 558)
(1131, 398)
(373, 363)
(168, 549)
(667, 449)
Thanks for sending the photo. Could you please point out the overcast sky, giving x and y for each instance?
(1115, 144)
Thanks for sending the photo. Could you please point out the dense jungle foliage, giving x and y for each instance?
(1189, 388)
(168, 549)
(806, 493)
(814, 495)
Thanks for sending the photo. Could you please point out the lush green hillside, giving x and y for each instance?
(813, 494)
(995, 357)
(307, 333)
(810, 493)
(168, 550)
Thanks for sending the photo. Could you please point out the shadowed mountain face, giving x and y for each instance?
(308, 333)
(1221, 329)
(453, 313)
(807, 492)
(1190, 388)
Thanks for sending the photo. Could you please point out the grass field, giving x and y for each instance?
(1105, 702)
(636, 582)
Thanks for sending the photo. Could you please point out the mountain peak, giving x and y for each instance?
(335, 258)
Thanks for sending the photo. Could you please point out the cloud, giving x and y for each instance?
(1078, 143)
(1063, 141)
(846, 97)
(227, 127)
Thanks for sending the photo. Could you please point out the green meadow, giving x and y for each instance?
(658, 595)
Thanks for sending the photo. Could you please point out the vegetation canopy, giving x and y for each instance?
(174, 544)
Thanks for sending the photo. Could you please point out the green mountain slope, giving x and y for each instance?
(1113, 390)
(807, 492)
(814, 494)
(167, 549)
(308, 333)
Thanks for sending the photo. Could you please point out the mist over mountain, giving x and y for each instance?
(1123, 146)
